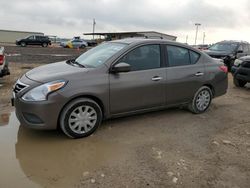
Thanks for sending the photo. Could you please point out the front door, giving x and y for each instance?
(142, 87)
(31, 40)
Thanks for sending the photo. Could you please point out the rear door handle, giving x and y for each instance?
(199, 74)
(156, 78)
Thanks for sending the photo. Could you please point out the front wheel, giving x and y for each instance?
(80, 118)
(239, 83)
(44, 44)
(23, 44)
(82, 46)
(201, 101)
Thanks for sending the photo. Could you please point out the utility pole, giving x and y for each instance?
(94, 23)
(186, 39)
(204, 35)
(196, 33)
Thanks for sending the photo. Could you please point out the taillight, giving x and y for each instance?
(1, 59)
(224, 68)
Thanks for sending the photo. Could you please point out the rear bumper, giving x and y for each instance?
(221, 85)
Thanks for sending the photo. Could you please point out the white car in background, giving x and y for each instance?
(4, 70)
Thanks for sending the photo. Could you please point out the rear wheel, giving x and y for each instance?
(201, 101)
(239, 83)
(80, 118)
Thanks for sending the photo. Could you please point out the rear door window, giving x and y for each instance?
(194, 56)
(179, 56)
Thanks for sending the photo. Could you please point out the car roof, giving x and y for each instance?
(232, 41)
(136, 41)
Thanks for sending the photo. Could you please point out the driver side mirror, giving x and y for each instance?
(120, 67)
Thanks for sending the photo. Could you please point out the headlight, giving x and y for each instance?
(237, 62)
(41, 92)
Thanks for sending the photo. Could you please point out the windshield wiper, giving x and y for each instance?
(72, 61)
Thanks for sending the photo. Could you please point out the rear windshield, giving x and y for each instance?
(100, 54)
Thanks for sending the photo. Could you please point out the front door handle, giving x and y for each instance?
(156, 78)
(199, 74)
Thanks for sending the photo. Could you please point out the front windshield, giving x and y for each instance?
(98, 55)
(228, 47)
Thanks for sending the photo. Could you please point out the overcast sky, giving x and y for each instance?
(220, 19)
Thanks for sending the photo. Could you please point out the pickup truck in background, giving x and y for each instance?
(4, 69)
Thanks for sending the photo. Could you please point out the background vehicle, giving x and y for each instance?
(4, 70)
(229, 50)
(74, 43)
(115, 79)
(241, 71)
(201, 46)
(91, 42)
(41, 40)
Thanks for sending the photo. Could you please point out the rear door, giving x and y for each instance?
(38, 40)
(185, 74)
(141, 88)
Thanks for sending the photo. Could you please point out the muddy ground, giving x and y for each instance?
(170, 148)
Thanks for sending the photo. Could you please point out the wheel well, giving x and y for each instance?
(97, 100)
(211, 87)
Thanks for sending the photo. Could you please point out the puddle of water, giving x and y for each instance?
(49, 159)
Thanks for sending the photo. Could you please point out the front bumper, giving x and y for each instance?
(39, 115)
(241, 73)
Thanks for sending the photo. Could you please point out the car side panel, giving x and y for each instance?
(215, 77)
(182, 83)
(136, 90)
(93, 84)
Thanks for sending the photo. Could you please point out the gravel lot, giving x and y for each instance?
(170, 148)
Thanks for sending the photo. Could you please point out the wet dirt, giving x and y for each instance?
(170, 148)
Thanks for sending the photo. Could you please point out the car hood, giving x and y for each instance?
(245, 58)
(54, 71)
(217, 53)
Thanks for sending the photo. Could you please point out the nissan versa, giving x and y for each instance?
(114, 79)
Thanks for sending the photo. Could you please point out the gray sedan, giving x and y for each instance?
(117, 78)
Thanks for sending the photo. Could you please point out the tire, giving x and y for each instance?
(23, 44)
(83, 46)
(80, 118)
(201, 101)
(44, 44)
(239, 83)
